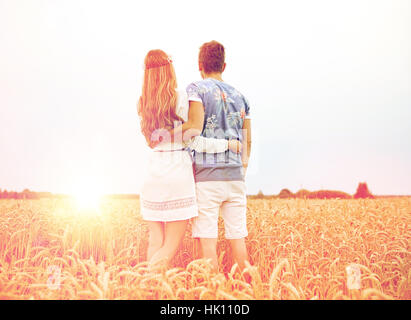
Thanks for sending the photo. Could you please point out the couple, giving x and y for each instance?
(200, 140)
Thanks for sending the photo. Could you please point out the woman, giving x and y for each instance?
(168, 198)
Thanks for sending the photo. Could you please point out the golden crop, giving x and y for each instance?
(299, 249)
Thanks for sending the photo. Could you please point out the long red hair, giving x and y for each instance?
(158, 100)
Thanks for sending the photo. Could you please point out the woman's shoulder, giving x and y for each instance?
(181, 93)
(182, 97)
(182, 104)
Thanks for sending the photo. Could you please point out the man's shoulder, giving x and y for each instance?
(201, 88)
(209, 88)
(201, 83)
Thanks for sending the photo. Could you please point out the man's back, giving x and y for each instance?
(225, 110)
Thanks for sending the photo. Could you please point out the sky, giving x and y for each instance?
(328, 83)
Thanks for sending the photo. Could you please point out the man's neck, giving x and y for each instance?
(215, 75)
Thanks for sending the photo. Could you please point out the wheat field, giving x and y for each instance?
(299, 249)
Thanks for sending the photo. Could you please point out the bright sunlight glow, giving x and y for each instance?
(86, 189)
(88, 201)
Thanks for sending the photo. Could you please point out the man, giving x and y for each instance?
(220, 177)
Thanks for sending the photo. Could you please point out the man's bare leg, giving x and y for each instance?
(239, 251)
(209, 249)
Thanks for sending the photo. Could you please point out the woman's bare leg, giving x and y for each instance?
(173, 234)
(156, 237)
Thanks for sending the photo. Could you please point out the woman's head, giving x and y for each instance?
(157, 104)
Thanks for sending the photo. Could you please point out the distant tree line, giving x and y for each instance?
(362, 192)
(28, 194)
(25, 194)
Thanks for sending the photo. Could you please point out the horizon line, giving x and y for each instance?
(248, 194)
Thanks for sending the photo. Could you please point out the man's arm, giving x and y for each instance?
(193, 126)
(246, 143)
(187, 130)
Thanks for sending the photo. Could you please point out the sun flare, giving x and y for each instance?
(87, 200)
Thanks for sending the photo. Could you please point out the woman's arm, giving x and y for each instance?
(191, 130)
(212, 145)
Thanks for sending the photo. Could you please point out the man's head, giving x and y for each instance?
(211, 58)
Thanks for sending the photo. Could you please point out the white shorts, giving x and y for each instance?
(230, 197)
